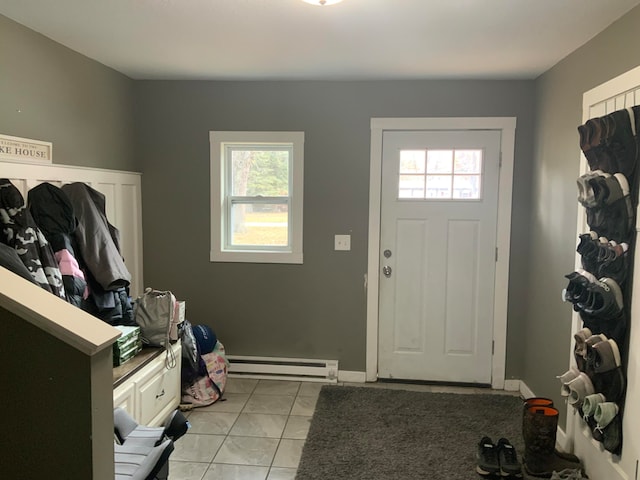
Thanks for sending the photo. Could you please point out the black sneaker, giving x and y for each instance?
(487, 457)
(508, 458)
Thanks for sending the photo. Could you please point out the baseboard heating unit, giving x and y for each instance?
(283, 368)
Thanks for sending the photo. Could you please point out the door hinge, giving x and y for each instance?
(496, 254)
(500, 160)
(493, 347)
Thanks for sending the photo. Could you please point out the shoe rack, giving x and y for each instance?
(600, 291)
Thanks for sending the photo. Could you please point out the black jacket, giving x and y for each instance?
(53, 213)
(98, 249)
(20, 232)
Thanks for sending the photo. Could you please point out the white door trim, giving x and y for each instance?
(507, 125)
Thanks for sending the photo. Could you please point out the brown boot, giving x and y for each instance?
(546, 402)
(539, 432)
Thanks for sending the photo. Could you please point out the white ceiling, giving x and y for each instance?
(289, 39)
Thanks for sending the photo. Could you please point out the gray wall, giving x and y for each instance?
(315, 309)
(547, 322)
(318, 309)
(51, 93)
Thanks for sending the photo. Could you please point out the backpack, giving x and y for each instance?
(193, 365)
(155, 313)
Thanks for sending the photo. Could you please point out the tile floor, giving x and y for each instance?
(258, 431)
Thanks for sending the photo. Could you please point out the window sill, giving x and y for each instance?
(256, 257)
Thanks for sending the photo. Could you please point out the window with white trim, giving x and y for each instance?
(256, 196)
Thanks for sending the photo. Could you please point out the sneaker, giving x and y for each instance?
(487, 457)
(580, 349)
(589, 355)
(565, 378)
(591, 191)
(620, 141)
(607, 376)
(612, 327)
(604, 299)
(588, 248)
(577, 292)
(612, 261)
(508, 458)
(609, 425)
(579, 388)
(591, 142)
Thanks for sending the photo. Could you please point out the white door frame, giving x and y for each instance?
(507, 125)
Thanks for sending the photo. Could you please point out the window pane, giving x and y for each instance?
(259, 224)
(411, 186)
(466, 186)
(440, 161)
(438, 186)
(468, 161)
(260, 172)
(412, 161)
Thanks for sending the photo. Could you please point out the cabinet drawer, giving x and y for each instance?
(160, 390)
(123, 397)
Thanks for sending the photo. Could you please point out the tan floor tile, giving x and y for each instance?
(289, 453)
(247, 451)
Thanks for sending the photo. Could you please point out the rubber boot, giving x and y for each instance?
(539, 432)
(545, 402)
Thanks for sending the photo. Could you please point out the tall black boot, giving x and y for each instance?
(539, 432)
(545, 402)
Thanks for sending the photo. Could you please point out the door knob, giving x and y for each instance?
(386, 270)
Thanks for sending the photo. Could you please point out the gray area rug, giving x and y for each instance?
(376, 433)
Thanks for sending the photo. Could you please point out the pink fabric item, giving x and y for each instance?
(69, 266)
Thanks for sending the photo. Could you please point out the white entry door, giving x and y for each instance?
(439, 204)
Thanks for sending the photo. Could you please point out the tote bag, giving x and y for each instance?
(155, 314)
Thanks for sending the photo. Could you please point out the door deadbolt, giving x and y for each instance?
(386, 270)
(387, 253)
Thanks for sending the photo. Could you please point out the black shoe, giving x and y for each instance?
(508, 458)
(487, 458)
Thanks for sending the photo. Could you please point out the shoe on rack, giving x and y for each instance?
(614, 221)
(620, 141)
(592, 135)
(612, 261)
(590, 190)
(609, 425)
(607, 375)
(565, 378)
(604, 299)
(589, 248)
(579, 388)
(508, 459)
(580, 348)
(487, 458)
(614, 327)
(589, 356)
(577, 291)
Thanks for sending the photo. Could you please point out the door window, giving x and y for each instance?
(440, 174)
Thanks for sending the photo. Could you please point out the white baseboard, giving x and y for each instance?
(525, 391)
(352, 376)
(512, 385)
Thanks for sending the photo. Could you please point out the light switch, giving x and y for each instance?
(342, 242)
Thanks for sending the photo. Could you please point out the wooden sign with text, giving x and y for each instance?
(16, 149)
